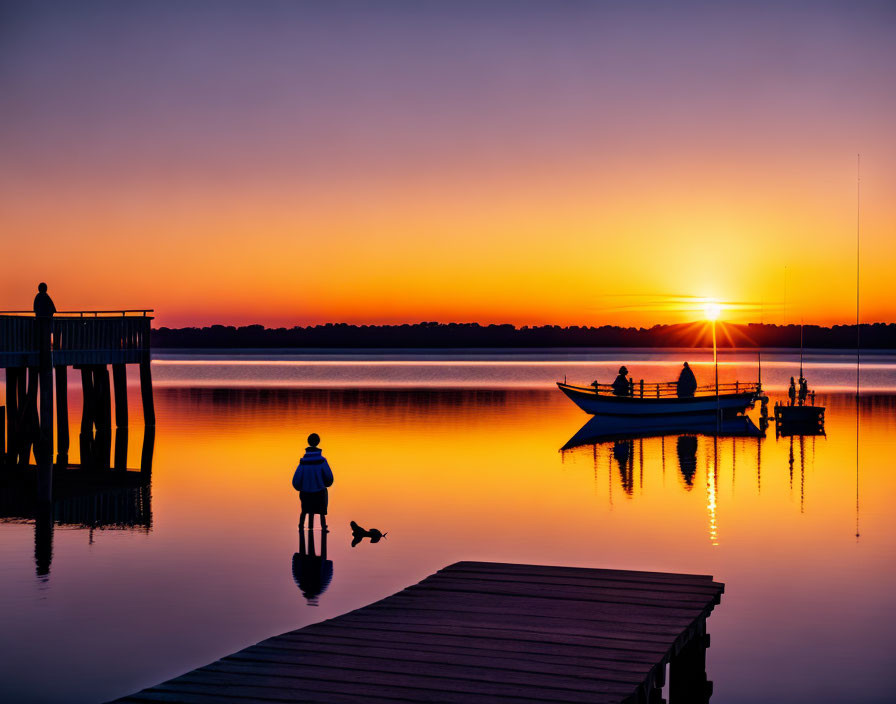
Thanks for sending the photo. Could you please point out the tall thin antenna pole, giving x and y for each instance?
(858, 329)
(759, 338)
(801, 349)
(858, 262)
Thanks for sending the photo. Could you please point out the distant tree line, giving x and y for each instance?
(460, 335)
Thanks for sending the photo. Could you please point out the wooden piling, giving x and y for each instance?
(120, 381)
(103, 395)
(687, 671)
(149, 411)
(62, 435)
(87, 415)
(12, 412)
(121, 449)
(45, 420)
(29, 419)
(149, 442)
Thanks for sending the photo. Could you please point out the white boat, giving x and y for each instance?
(662, 400)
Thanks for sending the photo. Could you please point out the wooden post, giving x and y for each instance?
(121, 449)
(642, 388)
(149, 441)
(687, 672)
(149, 411)
(29, 419)
(103, 394)
(45, 455)
(102, 449)
(12, 413)
(120, 381)
(87, 416)
(62, 436)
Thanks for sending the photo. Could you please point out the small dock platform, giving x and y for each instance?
(484, 632)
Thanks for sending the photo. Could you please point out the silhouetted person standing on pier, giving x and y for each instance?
(312, 477)
(791, 392)
(44, 309)
(43, 304)
(621, 386)
(687, 382)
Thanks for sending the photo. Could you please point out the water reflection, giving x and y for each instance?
(312, 572)
(686, 446)
(622, 442)
(87, 496)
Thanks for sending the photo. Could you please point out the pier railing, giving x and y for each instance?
(669, 389)
(77, 337)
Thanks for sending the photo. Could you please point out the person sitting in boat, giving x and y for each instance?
(791, 392)
(621, 386)
(687, 382)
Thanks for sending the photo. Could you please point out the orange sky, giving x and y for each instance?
(467, 172)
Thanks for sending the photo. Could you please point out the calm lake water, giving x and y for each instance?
(459, 459)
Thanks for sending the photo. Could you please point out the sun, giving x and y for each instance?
(712, 310)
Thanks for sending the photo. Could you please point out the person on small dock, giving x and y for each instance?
(791, 392)
(622, 386)
(311, 479)
(687, 382)
(804, 391)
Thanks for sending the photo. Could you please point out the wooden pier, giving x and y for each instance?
(35, 349)
(484, 632)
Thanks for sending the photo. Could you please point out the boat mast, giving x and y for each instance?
(759, 345)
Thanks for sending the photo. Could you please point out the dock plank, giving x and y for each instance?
(473, 632)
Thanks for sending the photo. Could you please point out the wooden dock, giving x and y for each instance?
(35, 349)
(484, 632)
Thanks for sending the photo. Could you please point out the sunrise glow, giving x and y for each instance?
(534, 166)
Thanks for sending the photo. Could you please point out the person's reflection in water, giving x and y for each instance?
(312, 573)
(687, 458)
(623, 452)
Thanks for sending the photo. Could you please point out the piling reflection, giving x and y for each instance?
(89, 496)
(312, 572)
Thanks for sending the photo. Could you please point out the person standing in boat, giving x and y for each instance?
(312, 477)
(791, 392)
(621, 386)
(804, 391)
(687, 382)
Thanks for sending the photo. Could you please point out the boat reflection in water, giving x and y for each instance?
(620, 435)
(608, 428)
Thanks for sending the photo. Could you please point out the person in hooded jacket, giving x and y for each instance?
(311, 479)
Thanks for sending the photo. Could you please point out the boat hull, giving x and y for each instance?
(603, 405)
